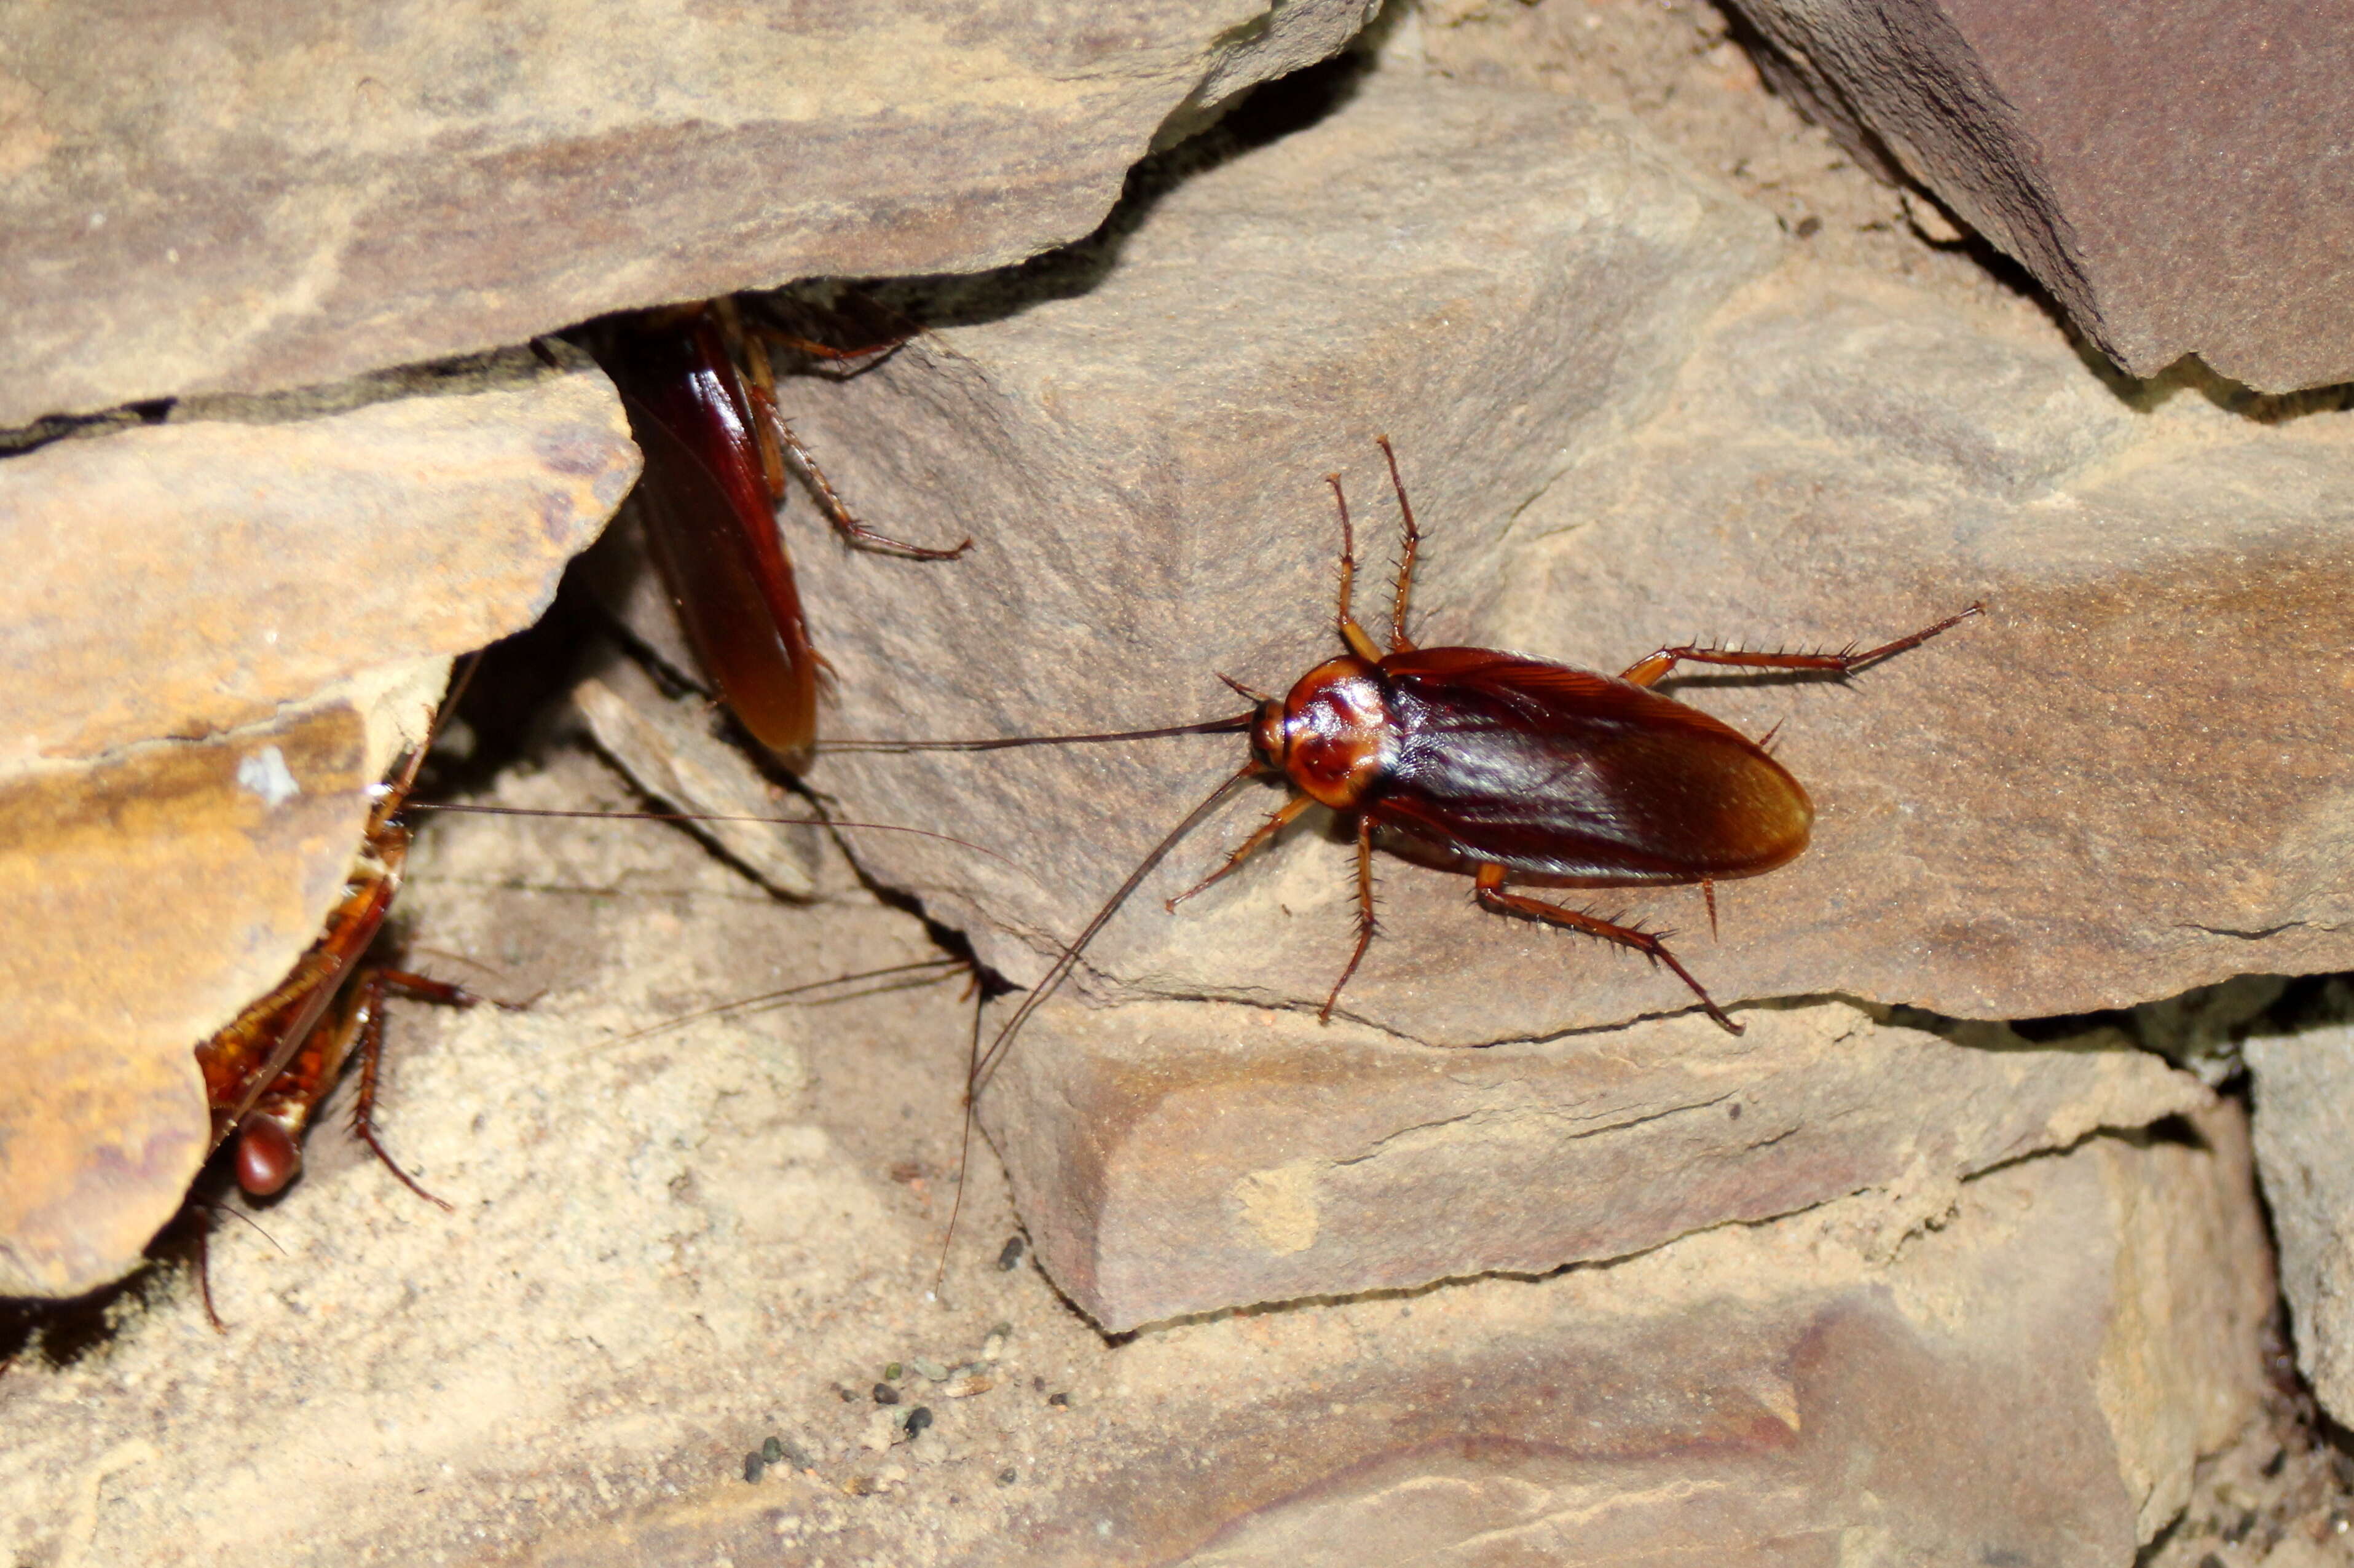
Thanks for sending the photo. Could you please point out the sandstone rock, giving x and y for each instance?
(670, 1247)
(1523, 278)
(275, 195)
(143, 900)
(2022, 819)
(2303, 1125)
(2172, 176)
(1173, 1157)
(271, 579)
(189, 577)
(666, 747)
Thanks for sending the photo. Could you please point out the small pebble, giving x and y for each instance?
(754, 1466)
(891, 1372)
(772, 1450)
(899, 1416)
(966, 1387)
(1008, 1476)
(1008, 1257)
(885, 1394)
(918, 1419)
(932, 1370)
(994, 1346)
(1059, 1401)
(799, 1457)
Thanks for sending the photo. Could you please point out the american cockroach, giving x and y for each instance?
(267, 1071)
(717, 448)
(1500, 766)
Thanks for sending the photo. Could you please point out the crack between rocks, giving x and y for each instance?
(2256, 934)
(1620, 1126)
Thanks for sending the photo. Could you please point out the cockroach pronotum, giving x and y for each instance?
(716, 448)
(1500, 766)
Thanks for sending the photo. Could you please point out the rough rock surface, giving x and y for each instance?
(2173, 175)
(218, 632)
(2304, 1130)
(671, 1246)
(270, 194)
(188, 578)
(2030, 816)
(1173, 1157)
(143, 900)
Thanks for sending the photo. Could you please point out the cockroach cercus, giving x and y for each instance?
(1500, 765)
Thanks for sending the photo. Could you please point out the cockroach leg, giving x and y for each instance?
(367, 1010)
(1282, 818)
(1365, 916)
(1351, 632)
(1492, 896)
(1648, 670)
(776, 439)
(1708, 895)
(1406, 553)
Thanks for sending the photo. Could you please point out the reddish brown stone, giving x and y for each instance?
(2176, 175)
(264, 195)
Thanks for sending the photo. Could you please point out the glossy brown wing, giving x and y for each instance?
(711, 523)
(1565, 773)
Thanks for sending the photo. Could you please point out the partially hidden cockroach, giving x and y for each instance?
(266, 1072)
(1499, 765)
(716, 448)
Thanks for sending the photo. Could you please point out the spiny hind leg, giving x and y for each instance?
(1364, 915)
(1493, 898)
(1646, 671)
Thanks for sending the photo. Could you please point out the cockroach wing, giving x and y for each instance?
(711, 525)
(1565, 773)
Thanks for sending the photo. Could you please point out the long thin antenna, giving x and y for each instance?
(691, 818)
(1234, 726)
(982, 1063)
(1069, 960)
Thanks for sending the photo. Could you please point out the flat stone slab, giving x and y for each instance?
(218, 633)
(275, 194)
(2304, 1130)
(191, 576)
(1173, 1158)
(2030, 816)
(2172, 175)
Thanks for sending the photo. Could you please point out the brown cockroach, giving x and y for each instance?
(715, 450)
(266, 1072)
(1500, 766)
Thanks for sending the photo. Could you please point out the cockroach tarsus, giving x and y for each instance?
(1503, 767)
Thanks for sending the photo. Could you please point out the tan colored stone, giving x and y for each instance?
(272, 577)
(2303, 1140)
(1171, 1158)
(2038, 813)
(671, 1246)
(666, 747)
(268, 195)
(190, 577)
(143, 901)
(1502, 280)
